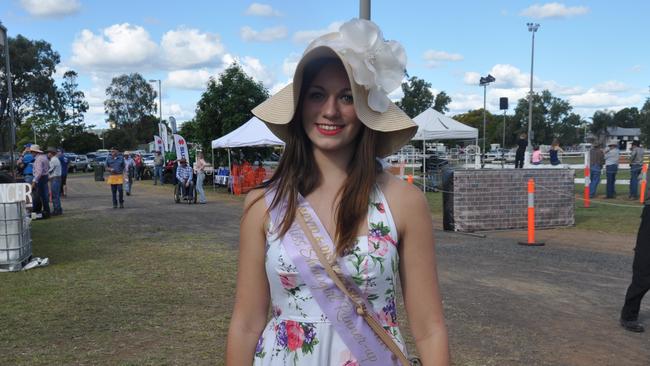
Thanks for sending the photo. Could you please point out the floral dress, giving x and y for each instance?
(299, 333)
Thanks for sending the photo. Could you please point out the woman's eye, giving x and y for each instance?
(347, 99)
(316, 95)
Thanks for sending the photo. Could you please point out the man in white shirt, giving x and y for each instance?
(55, 180)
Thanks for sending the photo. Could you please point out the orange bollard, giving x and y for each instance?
(587, 182)
(531, 216)
(644, 182)
(409, 178)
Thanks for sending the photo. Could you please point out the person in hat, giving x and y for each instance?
(330, 192)
(612, 155)
(184, 177)
(54, 174)
(158, 164)
(115, 166)
(636, 164)
(40, 182)
(596, 163)
(26, 163)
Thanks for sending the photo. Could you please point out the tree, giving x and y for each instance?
(129, 99)
(441, 102)
(552, 119)
(417, 97)
(72, 104)
(120, 138)
(600, 121)
(82, 142)
(644, 122)
(627, 118)
(226, 104)
(32, 65)
(493, 126)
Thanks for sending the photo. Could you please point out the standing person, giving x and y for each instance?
(553, 154)
(64, 171)
(54, 174)
(612, 155)
(138, 166)
(158, 162)
(27, 163)
(636, 164)
(640, 273)
(329, 181)
(40, 182)
(115, 167)
(129, 173)
(596, 163)
(522, 143)
(200, 177)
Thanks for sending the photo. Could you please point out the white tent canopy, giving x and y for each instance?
(433, 125)
(252, 133)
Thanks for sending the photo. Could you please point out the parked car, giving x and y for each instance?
(5, 160)
(101, 160)
(80, 162)
(148, 161)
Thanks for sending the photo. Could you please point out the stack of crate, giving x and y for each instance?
(15, 236)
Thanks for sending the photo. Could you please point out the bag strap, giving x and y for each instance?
(360, 306)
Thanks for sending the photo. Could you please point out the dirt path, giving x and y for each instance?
(505, 304)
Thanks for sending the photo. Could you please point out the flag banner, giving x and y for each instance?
(158, 143)
(163, 135)
(181, 148)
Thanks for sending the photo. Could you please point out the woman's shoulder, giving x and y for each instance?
(400, 194)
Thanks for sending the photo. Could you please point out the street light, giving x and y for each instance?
(4, 42)
(484, 82)
(532, 27)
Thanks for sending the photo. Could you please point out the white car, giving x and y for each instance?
(148, 161)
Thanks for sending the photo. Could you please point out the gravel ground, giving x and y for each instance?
(505, 304)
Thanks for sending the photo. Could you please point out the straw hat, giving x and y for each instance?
(35, 148)
(358, 44)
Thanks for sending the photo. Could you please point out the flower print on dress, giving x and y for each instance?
(259, 349)
(389, 313)
(379, 206)
(292, 336)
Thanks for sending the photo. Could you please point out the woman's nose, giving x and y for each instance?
(330, 107)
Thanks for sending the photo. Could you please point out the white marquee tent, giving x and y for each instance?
(252, 133)
(433, 125)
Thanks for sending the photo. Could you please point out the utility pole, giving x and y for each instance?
(364, 9)
(532, 27)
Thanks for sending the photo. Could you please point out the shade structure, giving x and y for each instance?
(252, 133)
(433, 125)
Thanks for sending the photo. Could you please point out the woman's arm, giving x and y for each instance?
(252, 295)
(418, 273)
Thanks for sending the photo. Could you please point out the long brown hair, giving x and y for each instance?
(297, 173)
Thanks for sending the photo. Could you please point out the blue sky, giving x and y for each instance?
(592, 53)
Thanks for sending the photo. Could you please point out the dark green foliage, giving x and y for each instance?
(130, 98)
(417, 96)
(82, 143)
(225, 105)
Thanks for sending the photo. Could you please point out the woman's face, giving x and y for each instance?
(328, 114)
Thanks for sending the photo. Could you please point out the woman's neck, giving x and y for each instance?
(333, 165)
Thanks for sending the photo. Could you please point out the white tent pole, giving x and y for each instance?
(214, 171)
(424, 164)
(232, 190)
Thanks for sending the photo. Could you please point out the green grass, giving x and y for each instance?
(116, 297)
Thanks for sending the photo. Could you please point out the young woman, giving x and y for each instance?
(200, 177)
(553, 153)
(369, 224)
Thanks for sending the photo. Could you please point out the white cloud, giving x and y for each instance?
(611, 86)
(184, 48)
(189, 79)
(471, 78)
(262, 10)
(596, 99)
(255, 69)
(505, 75)
(248, 34)
(50, 8)
(181, 113)
(119, 46)
(290, 63)
(636, 68)
(433, 55)
(307, 36)
(553, 10)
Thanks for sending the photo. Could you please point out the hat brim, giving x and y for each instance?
(394, 126)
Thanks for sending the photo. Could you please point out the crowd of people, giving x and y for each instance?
(610, 159)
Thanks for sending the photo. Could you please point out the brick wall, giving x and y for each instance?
(498, 199)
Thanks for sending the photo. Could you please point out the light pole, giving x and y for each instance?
(4, 42)
(484, 82)
(364, 9)
(161, 127)
(532, 27)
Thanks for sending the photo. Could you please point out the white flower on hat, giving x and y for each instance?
(377, 64)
